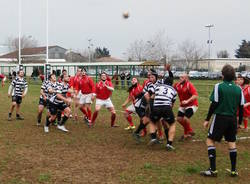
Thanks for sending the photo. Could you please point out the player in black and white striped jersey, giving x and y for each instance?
(142, 105)
(164, 97)
(17, 90)
(43, 100)
(51, 87)
(59, 102)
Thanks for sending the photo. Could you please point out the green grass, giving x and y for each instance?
(105, 155)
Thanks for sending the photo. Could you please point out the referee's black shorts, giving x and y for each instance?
(164, 112)
(223, 126)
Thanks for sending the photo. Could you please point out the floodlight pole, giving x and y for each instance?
(89, 40)
(19, 30)
(209, 26)
(47, 31)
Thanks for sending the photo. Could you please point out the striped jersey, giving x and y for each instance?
(19, 84)
(165, 95)
(44, 87)
(148, 87)
(53, 86)
(61, 88)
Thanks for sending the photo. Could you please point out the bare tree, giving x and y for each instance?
(26, 42)
(136, 51)
(155, 48)
(223, 54)
(191, 53)
(159, 47)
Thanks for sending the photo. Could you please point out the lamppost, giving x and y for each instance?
(47, 67)
(209, 42)
(19, 30)
(89, 47)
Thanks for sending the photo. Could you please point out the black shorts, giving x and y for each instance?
(164, 112)
(53, 108)
(42, 102)
(140, 111)
(17, 99)
(188, 113)
(223, 126)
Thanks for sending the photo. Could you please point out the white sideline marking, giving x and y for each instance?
(238, 138)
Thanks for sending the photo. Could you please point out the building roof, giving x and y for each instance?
(28, 51)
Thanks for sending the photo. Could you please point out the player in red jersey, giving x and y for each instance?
(75, 85)
(243, 82)
(87, 88)
(134, 91)
(3, 78)
(188, 104)
(103, 91)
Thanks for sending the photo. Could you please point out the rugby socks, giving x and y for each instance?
(166, 133)
(245, 123)
(39, 117)
(89, 113)
(184, 126)
(84, 111)
(129, 119)
(59, 116)
(188, 126)
(94, 117)
(141, 126)
(64, 119)
(153, 135)
(233, 157)
(47, 121)
(160, 133)
(10, 114)
(212, 157)
(113, 116)
(169, 142)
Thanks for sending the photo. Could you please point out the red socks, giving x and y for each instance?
(113, 116)
(187, 127)
(82, 109)
(89, 113)
(245, 123)
(94, 117)
(129, 118)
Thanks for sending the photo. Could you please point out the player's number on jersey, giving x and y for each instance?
(164, 91)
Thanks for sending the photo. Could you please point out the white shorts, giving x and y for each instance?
(131, 108)
(85, 99)
(79, 95)
(106, 103)
(183, 109)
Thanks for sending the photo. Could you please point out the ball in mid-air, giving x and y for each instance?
(125, 15)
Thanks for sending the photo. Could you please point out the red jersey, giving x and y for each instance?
(185, 91)
(87, 85)
(1, 76)
(102, 91)
(135, 91)
(75, 82)
(145, 83)
(246, 93)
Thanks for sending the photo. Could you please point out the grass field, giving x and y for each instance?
(107, 155)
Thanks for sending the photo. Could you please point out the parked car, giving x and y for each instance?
(195, 74)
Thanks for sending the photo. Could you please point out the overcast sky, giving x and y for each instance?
(73, 22)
